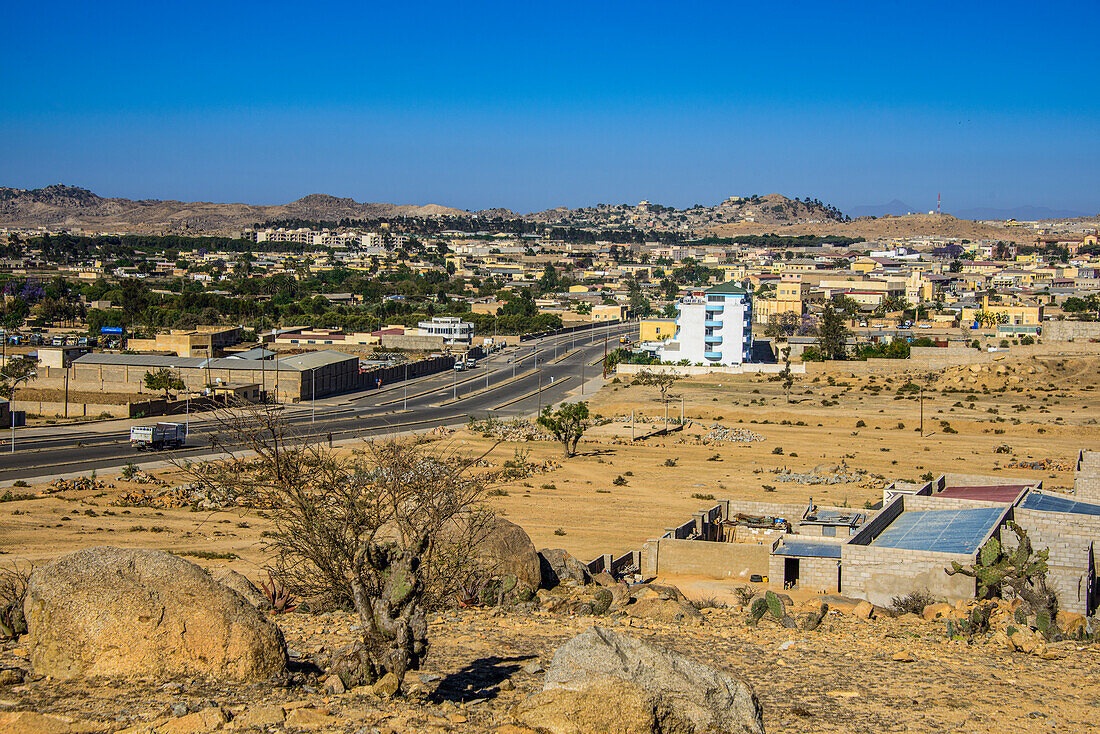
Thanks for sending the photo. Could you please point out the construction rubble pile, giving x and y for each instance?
(80, 484)
(184, 495)
(721, 434)
(516, 430)
(832, 474)
(1040, 465)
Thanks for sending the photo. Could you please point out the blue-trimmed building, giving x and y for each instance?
(713, 327)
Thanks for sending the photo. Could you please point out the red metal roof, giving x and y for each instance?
(988, 493)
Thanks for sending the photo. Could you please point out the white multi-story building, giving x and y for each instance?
(453, 329)
(713, 327)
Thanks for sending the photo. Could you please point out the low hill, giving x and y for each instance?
(70, 206)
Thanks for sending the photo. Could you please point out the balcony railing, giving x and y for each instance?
(710, 324)
(713, 339)
(712, 355)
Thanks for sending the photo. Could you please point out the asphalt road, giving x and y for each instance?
(507, 384)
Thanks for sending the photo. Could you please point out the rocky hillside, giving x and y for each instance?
(772, 209)
(70, 206)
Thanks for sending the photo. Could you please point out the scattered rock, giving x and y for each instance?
(208, 719)
(32, 722)
(305, 718)
(864, 610)
(669, 611)
(259, 717)
(533, 668)
(12, 676)
(601, 681)
(387, 686)
(129, 612)
(334, 684)
(902, 656)
(935, 611)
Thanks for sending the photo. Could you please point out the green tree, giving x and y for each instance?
(567, 424)
(163, 379)
(833, 334)
(786, 375)
(15, 372)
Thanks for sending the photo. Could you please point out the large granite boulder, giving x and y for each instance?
(505, 550)
(558, 566)
(131, 612)
(602, 682)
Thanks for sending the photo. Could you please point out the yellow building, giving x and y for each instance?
(609, 313)
(652, 330)
(579, 289)
(1016, 314)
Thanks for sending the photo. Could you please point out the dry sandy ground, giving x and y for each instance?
(842, 677)
(1050, 413)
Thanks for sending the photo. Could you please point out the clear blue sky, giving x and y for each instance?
(531, 106)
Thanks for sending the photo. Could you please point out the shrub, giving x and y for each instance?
(912, 603)
(861, 423)
(777, 450)
(670, 462)
(619, 481)
(698, 496)
(559, 531)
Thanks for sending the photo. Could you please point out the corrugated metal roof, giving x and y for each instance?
(295, 363)
(808, 548)
(1051, 503)
(942, 531)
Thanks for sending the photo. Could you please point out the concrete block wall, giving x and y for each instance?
(1066, 330)
(920, 503)
(814, 574)
(1086, 480)
(879, 574)
(735, 561)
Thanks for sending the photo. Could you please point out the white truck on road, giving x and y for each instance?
(158, 436)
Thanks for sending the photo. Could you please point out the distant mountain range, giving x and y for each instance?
(898, 208)
(1023, 213)
(70, 206)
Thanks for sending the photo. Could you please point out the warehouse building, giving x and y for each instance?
(292, 378)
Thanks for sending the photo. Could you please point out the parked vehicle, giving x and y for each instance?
(158, 436)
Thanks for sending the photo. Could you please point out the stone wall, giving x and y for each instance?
(692, 371)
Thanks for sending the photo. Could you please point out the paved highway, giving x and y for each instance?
(506, 384)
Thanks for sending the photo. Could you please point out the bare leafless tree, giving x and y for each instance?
(13, 592)
(388, 527)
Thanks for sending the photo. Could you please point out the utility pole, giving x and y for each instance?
(66, 385)
(405, 389)
(582, 374)
(540, 404)
(313, 398)
(632, 426)
(454, 386)
(486, 373)
(681, 410)
(922, 411)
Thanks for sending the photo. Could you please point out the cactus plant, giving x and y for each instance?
(1022, 570)
(601, 601)
(812, 620)
(758, 609)
(775, 605)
